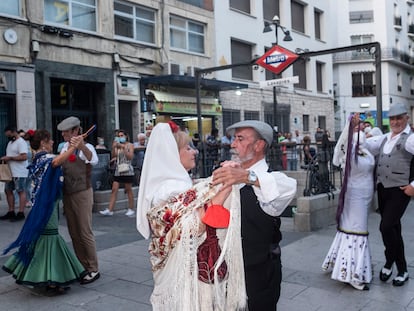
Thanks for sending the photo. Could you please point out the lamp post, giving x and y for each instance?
(268, 28)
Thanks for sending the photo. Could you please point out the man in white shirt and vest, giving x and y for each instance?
(264, 196)
(394, 153)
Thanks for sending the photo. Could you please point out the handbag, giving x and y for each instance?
(122, 166)
(5, 172)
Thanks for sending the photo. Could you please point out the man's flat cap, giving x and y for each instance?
(263, 129)
(397, 109)
(68, 123)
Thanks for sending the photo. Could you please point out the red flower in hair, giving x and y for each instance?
(174, 126)
(30, 133)
(72, 158)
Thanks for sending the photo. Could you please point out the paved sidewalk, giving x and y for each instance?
(126, 280)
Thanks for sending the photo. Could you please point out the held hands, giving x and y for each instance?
(408, 190)
(77, 142)
(230, 173)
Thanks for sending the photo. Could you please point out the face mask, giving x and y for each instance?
(101, 142)
(11, 138)
(367, 129)
(122, 140)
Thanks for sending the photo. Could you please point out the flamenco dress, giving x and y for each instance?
(43, 258)
(349, 256)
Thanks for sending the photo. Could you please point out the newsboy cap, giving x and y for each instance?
(263, 129)
(68, 123)
(397, 109)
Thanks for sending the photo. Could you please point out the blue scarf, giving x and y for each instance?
(48, 187)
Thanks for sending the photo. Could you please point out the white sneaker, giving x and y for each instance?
(106, 212)
(130, 213)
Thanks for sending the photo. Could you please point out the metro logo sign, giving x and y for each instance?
(277, 59)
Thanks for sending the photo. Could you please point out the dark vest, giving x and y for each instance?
(395, 169)
(77, 176)
(260, 232)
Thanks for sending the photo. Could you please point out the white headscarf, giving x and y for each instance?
(161, 164)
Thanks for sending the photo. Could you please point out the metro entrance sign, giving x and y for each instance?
(277, 59)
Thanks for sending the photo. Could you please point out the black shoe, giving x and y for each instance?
(90, 277)
(400, 279)
(8, 215)
(385, 274)
(19, 216)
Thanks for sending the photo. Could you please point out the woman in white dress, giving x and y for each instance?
(349, 255)
(182, 218)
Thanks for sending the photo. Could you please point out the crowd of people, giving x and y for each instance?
(214, 241)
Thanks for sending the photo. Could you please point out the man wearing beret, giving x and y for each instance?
(394, 151)
(78, 196)
(264, 196)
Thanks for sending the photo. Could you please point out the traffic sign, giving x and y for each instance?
(277, 59)
(276, 82)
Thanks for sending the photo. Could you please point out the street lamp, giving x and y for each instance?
(268, 28)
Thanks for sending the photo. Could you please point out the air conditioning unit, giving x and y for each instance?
(173, 69)
(189, 71)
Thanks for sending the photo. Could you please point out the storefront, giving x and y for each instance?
(17, 99)
(173, 97)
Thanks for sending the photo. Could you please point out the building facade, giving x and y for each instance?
(303, 106)
(90, 58)
(391, 23)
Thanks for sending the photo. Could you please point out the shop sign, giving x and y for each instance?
(127, 86)
(187, 108)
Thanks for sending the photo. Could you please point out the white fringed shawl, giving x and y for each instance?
(176, 284)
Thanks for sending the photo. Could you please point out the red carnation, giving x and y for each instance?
(72, 158)
(30, 133)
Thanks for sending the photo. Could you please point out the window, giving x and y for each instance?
(399, 82)
(299, 69)
(241, 5)
(358, 17)
(305, 122)
(322, 122)
(186, 35)
(362, 84)
(270, 9)
(361, 39)
(199, 3)
(251, 115)
(298, 16)
(10, 7)
(241, 52)
(79, 14)
(412, 86)
(230, 117)
(134, 22)
(319, 76)
(318, 20)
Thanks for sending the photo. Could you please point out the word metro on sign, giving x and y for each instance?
(277, 59)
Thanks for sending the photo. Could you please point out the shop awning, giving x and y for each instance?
(189, 82)
(183, 104)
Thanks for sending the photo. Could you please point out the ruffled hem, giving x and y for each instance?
(52, 265)
(349, 258)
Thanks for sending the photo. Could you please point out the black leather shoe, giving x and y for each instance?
(385, 274)
(400, 279)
